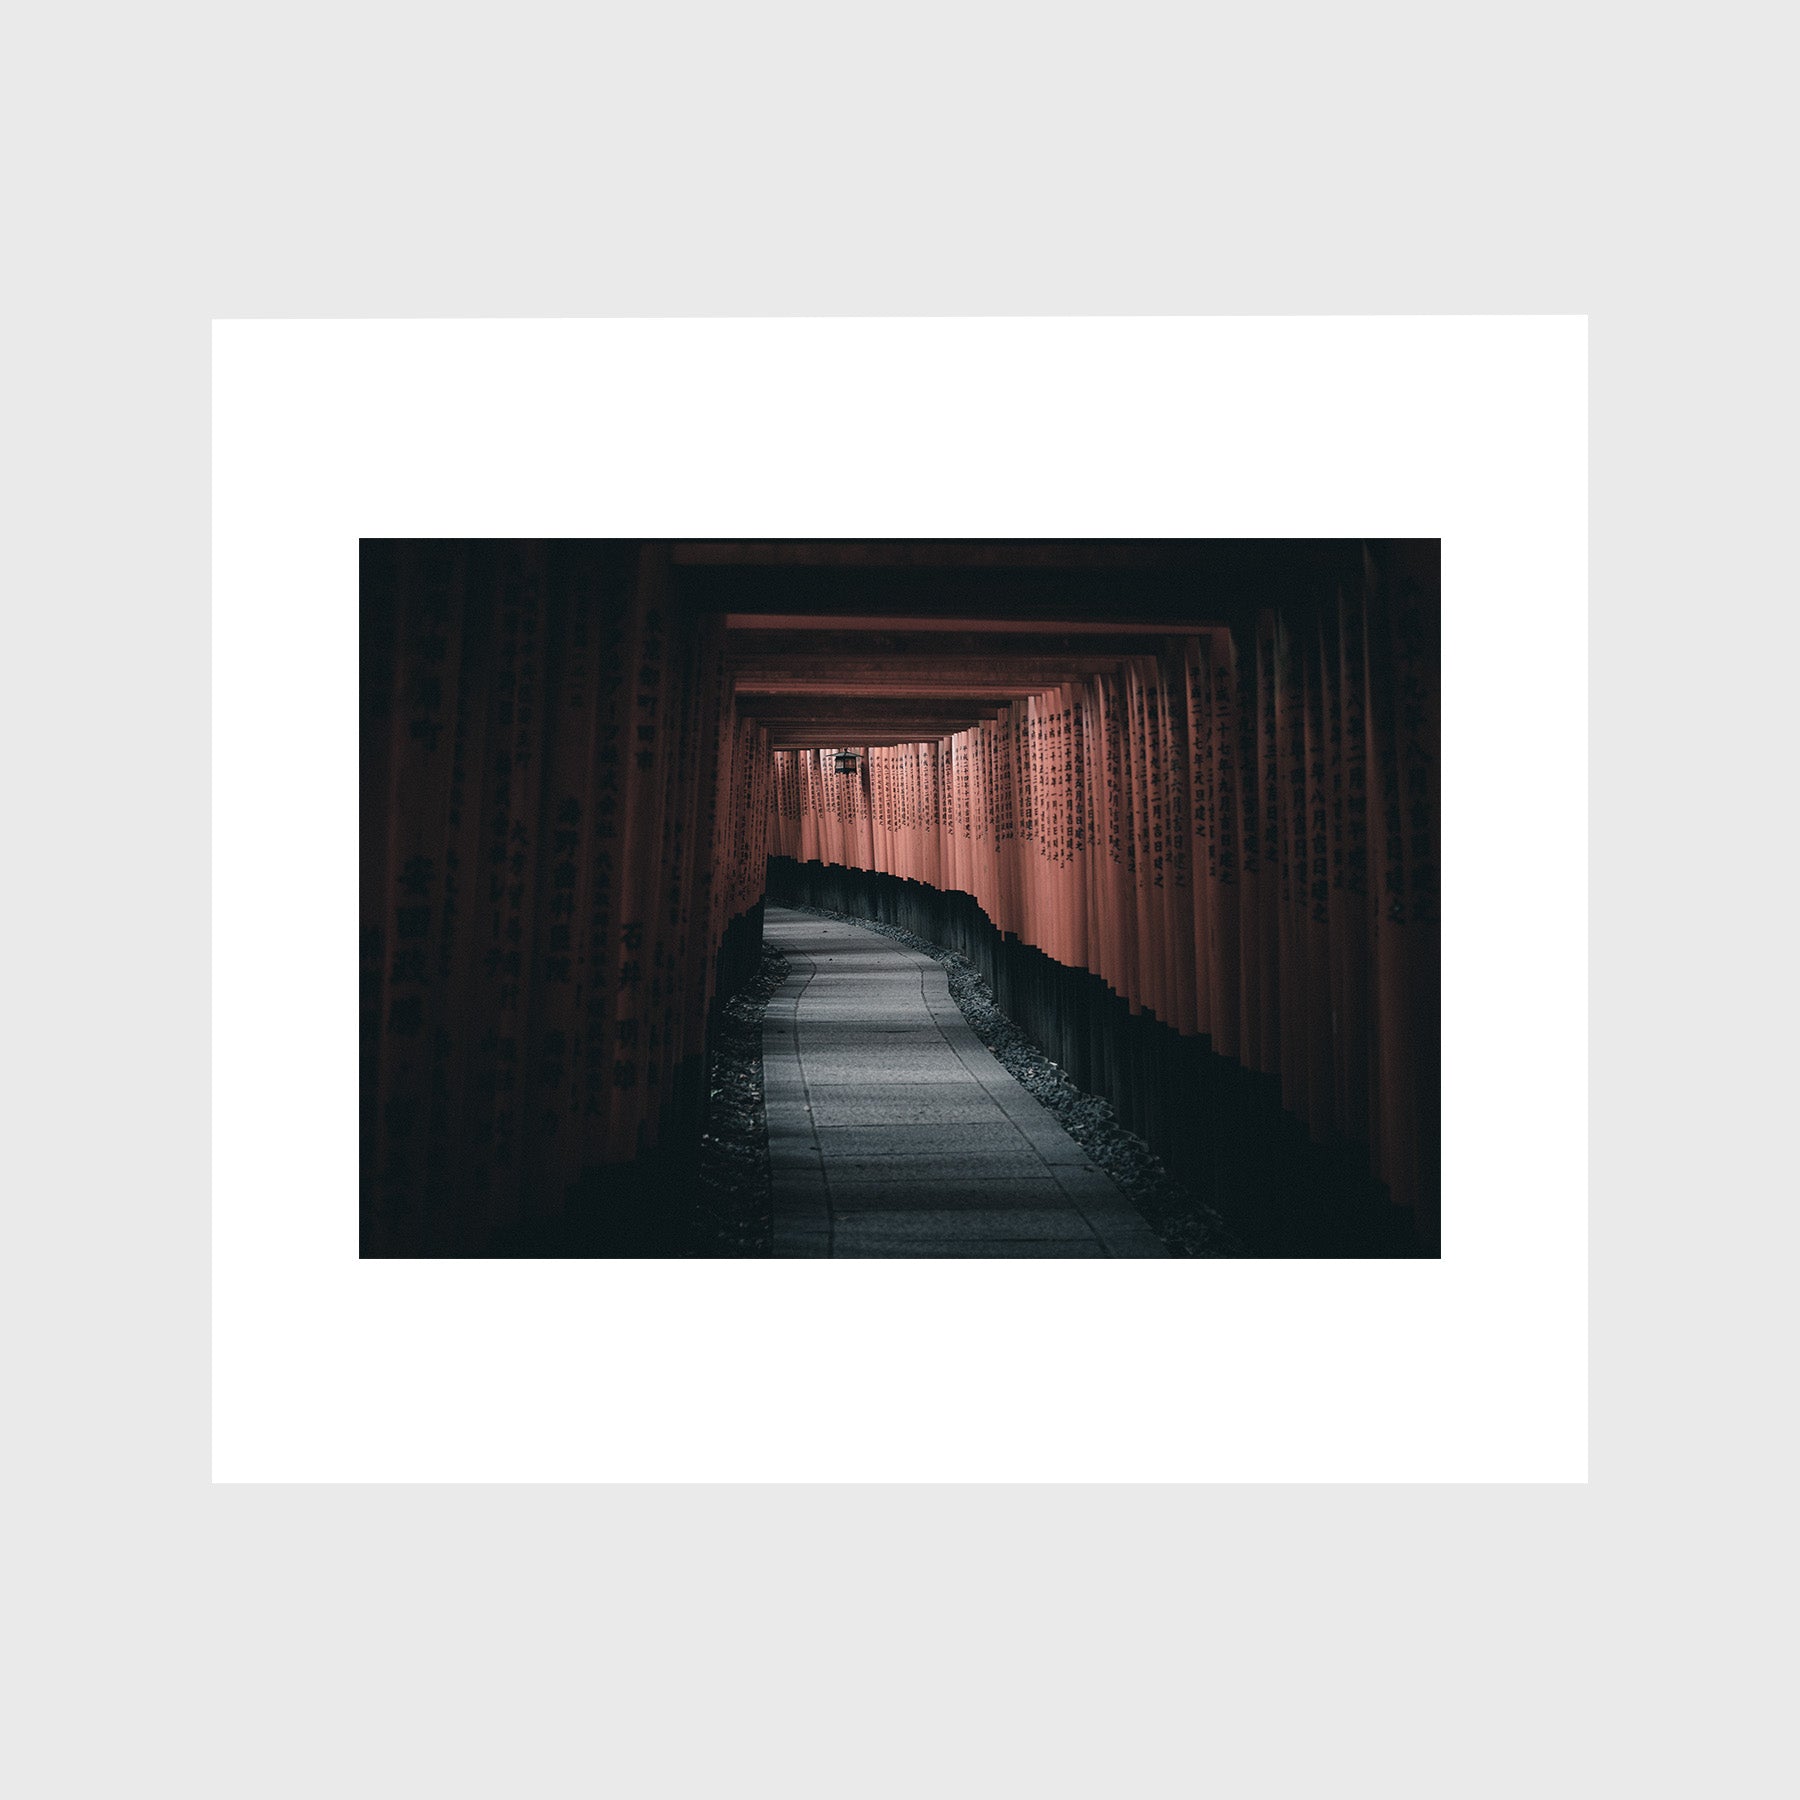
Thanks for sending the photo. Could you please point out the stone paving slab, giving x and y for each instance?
(894, 1132)
(893, 1061)
(939, 1105)
(908, 1229)
(942, 1196)
(943, 1171)
(935, 1139)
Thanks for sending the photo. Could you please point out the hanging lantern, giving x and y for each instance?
(848, 762)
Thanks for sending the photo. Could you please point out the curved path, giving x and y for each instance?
(894, 1132)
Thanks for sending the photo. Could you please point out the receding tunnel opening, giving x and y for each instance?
(1137, 844)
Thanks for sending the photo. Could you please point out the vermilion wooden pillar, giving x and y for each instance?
(1237, 831)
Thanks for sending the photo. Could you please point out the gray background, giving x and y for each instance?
(172, 165)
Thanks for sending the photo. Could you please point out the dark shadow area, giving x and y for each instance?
(676, 1199)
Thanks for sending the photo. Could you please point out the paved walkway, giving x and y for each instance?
(894, 1132)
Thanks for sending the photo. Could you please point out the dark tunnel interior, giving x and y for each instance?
(1175, 803)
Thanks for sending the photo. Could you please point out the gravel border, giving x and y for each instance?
(1185, 1223)
(732, 1215)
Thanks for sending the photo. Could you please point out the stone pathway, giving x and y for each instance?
(893, 1131)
